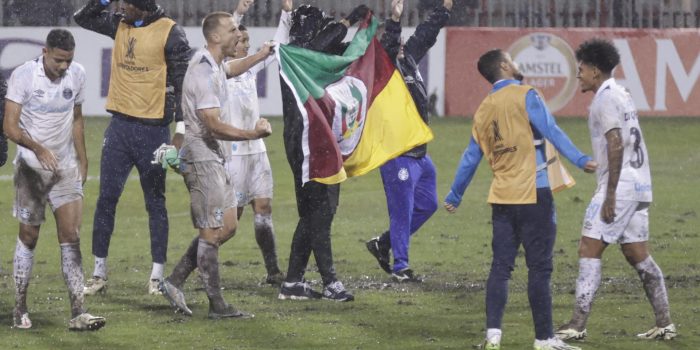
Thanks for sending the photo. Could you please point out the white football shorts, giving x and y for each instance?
(631, 223)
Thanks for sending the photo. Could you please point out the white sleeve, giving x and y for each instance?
(19, 88)
(609, 113)
(80, 88)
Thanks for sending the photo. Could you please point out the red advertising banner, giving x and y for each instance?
(660, 68)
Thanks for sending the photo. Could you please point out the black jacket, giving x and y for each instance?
(415, 49)
(95, 17)
(3, 139)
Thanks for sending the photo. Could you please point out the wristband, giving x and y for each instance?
(180, 128)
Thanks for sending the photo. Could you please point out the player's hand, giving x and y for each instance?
(447, 4)
(243, 6)
(450, 208)
(590, 166)
(166, 156)
(287, 5)
(396, 10)
(83, 172)
(268, 48)
(46, 158)
(357, 14)
(607, 213)
(263, 128)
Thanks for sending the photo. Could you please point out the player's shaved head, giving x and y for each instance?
(212, 21)
(598, 53)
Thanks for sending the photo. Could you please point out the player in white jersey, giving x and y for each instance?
(619, 210)
(248, 165)
(207, 112)
(43, 116)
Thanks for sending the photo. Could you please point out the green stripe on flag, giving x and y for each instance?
(310, 71)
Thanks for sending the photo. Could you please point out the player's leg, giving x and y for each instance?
(425, 201)
(636, 251)
(504, 245)
(115, 166)
(400, 176)
(265, 237)
(152, 178)
(537, 228)
(31, 192)
(260, 189)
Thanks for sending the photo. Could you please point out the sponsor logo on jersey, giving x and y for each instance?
(39, 93)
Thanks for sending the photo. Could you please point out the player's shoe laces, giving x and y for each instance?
(553, 344)
(660, 333)
(175, 297)
(21, 320)
(228, 311)
(86, 322)
(95, 285)
(380, 253)
(567, 332)
(336, 291)
(406, 275)
(154, 286)
(297, 291)
(276, 279)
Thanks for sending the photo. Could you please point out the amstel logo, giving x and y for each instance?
(549, 65)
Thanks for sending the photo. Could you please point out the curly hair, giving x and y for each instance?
(598, 53)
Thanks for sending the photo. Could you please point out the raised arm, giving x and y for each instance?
(94, 16)
(240, 66)
(426, 33)
(211, 118)
(391, 40)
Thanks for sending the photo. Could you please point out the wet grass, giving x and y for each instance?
(445, 312)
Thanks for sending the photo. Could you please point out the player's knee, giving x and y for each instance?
(263, 221)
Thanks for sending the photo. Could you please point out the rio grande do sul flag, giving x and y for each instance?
(357, 111)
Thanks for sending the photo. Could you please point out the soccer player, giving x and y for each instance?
(409, 180)
(149, 61)
(316, 202)
(619, 209)
(43, 116)
(207, 114)
(510, 129)
(248, 165)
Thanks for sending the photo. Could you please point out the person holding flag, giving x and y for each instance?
(409, 180)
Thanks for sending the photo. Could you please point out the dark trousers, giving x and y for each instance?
(316, 204)
(129, 144)
(534, 226)
(411, 198)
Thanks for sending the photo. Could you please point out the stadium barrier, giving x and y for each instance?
(660, 68)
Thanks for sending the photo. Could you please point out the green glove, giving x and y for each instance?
(170, 158)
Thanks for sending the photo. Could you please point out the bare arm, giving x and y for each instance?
(17, 135)
(615, 152)
(211, 117)
(79, 140)
(240, 66)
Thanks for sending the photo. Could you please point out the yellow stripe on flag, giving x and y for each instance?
(393, 127)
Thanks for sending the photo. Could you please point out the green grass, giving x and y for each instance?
(445, 312)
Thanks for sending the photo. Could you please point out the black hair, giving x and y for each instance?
(307, 22)
(489, 64)
(60, 39)
(242, 28)
(598, 53)
(212, 21)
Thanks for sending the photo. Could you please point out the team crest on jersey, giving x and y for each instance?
(67, 93)
(403, 174)
(24, 213)
(218, 214)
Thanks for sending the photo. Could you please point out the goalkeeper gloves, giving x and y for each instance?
(167, 156)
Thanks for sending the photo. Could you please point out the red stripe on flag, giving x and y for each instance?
(324, 158)
(374, 68)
